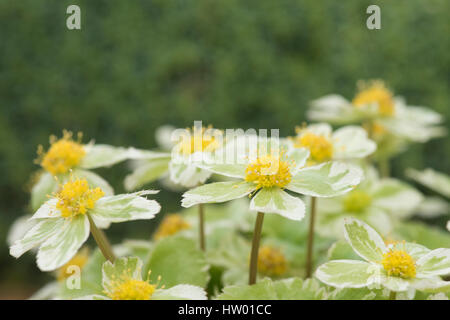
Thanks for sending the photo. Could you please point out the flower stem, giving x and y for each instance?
(309, 253)
(392, 295)
(201, 226)
(384, 167)
(101, 240)
(253, 270)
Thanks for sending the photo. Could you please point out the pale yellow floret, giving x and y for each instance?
(375, 92)
(128, 288)
(356, 201)
(75, 197)
(171, 224)
(399, 263)
(199, 140)
(63, 154)
(268, 171)
(319, 146)
(271, 261)
(79, 260)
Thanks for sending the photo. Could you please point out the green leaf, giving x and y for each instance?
(91, 279)
(287, 289)
(112, 272)
(366, 242)
(275, 200)
(326, 180)
(217, 192)
(178, 261)
(427, 235)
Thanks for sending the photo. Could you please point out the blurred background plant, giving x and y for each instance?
(138, 64)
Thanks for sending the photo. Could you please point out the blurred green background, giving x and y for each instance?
(136, 65)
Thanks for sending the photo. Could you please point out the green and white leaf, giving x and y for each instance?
(45, 187)
(346, 273)
(326, 180)
(64, 244)
(352, 142)
(366, 242)
(266, 289)
(180, 292)
(436, 181)
(146, 172)
(102, 155)
(126, 207)
(41, 231)
(434, 263)
(187, 175)
(275, 200)
(217, 192)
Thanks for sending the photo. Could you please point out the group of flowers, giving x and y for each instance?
(206, 252)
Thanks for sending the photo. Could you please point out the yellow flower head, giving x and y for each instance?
(269, 171)
(171, 224)
(357, 201)
(399, 263)
(79, 260)
(63, 154)
(271, 261)
(319, 146)
(375, 92)
(127, 288)
(75, 197)
(199, 140)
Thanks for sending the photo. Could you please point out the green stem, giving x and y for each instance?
(201, 226)
(384, 167)
(392, 295)
(310, 249)
(253, 270)
(101, 240)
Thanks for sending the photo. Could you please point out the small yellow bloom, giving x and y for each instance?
(79, 260)
(171, 224)
(357, 201)
(63, 154)
(128, 288)
(75, 197)
(268, 171)
(376, 92)
(399, 263)
(271, 261)
(319, 146)
(199, 140)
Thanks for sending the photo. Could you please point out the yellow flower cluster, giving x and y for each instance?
(171, 224)
(398, 263)
(268, 171)
(63, 154)
(75, 197)
(271, 261)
